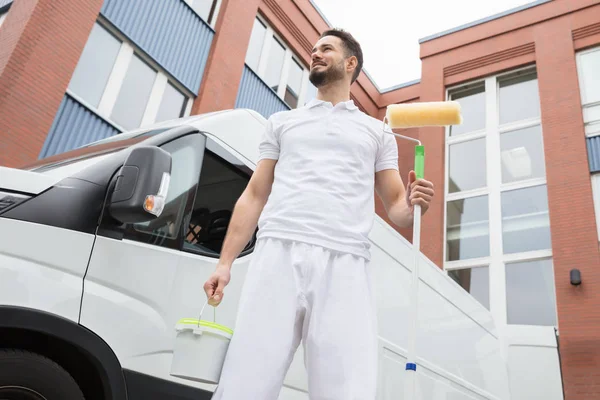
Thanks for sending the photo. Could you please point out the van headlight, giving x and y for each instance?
(9, 200)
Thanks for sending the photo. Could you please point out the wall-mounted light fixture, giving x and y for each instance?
(575, 277)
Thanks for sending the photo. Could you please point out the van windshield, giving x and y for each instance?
(89, 154)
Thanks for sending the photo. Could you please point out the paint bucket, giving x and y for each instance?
(200, 349)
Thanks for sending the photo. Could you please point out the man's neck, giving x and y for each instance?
(334, 93)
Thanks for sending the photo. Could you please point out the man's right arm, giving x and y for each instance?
(244, 221)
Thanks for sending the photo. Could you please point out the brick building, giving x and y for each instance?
(518, 204)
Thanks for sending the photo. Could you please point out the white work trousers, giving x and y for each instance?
(296, 291)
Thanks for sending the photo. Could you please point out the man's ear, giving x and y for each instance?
(351, 63)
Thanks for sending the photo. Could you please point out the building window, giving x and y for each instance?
(123, 86)
(497, 221)
(271, 59)
(588, 65)
(208, 10)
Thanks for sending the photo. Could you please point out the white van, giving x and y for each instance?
(92, 285)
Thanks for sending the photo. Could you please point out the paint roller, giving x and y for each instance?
(412, 115)
(421, 114)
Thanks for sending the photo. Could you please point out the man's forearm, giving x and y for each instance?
(243, 223)
(400, 214)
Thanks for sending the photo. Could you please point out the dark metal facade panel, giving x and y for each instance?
(256, 95)
(593, 149)
(169, 31)
(74, 126)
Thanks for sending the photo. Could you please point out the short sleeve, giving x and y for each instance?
(387, 155)
(269, 143)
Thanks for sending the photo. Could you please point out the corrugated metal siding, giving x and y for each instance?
(169, 31)
(593, 148)
(74, 126)
(256, 95)
(5, 3)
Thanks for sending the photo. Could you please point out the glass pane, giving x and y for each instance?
(171, 105)
(311, 92)
(255, 46)
(472, 103)
(294, 82)
(276, 56)
(590, 70)
(467, 232)
(530, 296)
(525, 220)
(202, 7)
(519, 98)
(221, 185)
(134, 94)
(476, 281)
(467, 166)
(95, 65)
(522, 154)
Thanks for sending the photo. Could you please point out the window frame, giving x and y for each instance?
(497, 260)
(587, 105)
(211, 19)
(288, 58)
(116, 78)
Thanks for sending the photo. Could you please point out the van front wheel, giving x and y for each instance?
(30, 376)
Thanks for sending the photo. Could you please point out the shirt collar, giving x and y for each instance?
(348, 105)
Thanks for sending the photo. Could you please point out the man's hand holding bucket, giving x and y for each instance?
(216, 283)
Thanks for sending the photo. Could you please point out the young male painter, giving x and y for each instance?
(311, 197)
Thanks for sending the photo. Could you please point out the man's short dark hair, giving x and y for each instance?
(352, 47)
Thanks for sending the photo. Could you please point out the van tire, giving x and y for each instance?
(33, 373)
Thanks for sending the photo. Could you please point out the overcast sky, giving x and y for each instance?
(389, 30)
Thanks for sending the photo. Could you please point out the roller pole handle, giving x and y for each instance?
(420, 161)
(411, 361)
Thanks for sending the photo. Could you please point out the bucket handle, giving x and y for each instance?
(202, 312)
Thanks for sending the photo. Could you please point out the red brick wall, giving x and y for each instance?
(227, 55)
(432, 226)
(574, 236)
(39, 48)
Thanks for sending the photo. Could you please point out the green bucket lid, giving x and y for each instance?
(191, 321)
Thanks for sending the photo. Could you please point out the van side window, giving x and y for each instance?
(186, 154)
(221, 184)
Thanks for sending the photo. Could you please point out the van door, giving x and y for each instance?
(137, 286)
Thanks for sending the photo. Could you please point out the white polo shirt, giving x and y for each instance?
(323, 191)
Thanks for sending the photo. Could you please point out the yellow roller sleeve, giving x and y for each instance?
(440, 113)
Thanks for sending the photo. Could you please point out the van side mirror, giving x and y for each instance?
(141, 185)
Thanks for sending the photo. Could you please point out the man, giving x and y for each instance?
(311, 197)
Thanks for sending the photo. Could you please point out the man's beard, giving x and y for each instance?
(331, 74)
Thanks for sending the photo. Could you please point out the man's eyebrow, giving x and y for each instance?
(323, 45)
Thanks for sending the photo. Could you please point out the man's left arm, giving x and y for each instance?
(398, 199)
